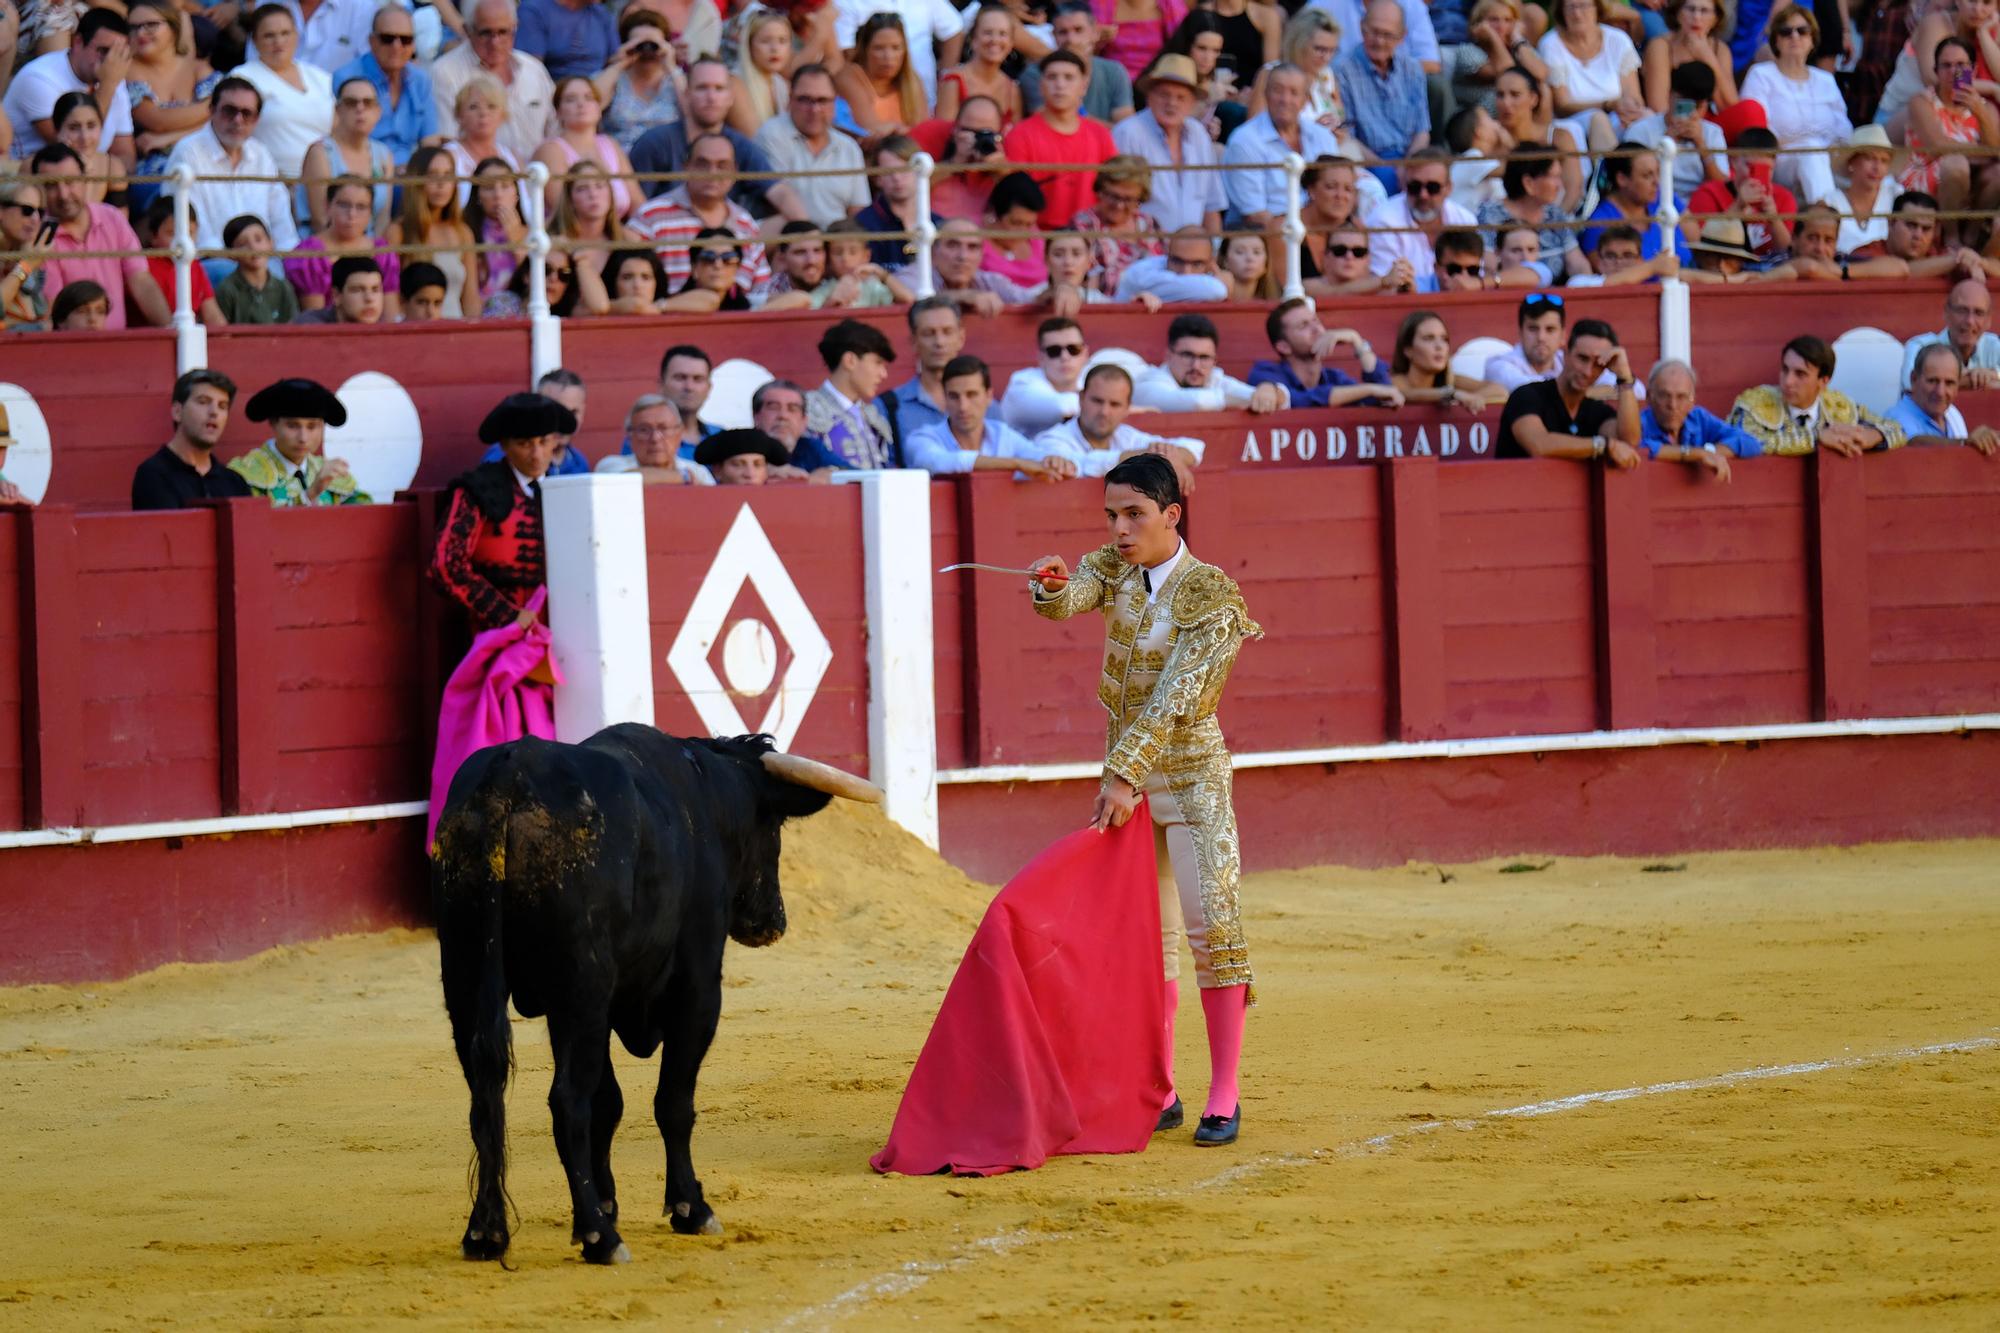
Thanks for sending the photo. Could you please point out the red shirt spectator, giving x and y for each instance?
(1057, 133)
(1720, 197)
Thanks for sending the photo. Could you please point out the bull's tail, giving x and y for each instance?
(468, 874)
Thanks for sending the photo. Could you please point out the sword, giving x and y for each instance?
(1002, 569)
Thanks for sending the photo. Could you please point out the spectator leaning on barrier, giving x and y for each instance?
(84, 226)
(670, 222)
(1927, 411)
(803, 139)
(291, 467)
(491, 27)
(422, 288)
(183, 471)
(685, 378)
(1045, 394)
(1060, 133)
(1184, 193)
(972, 439)
(81, 307)
(1191, 381)
(1675, 428)
(1098, 436)
(1619, 263)
(1303, 345)
(1539, 353)
(1968, 316)
(1558, 418)
(778, 408)
(852, 279)
(1802, 412)
(653, 432)
(842, 411)
(227, 162)
(938, 334)
(1186, 272)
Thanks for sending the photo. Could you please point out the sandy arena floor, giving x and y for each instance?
(283, 1140)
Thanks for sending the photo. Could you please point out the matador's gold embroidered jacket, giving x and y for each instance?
(1164, 669)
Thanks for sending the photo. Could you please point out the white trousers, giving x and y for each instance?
(1180, 885)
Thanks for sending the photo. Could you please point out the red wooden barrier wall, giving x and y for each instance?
(12, 657)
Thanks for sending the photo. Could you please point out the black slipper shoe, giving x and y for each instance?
(1218, 1129)
(1173, 1117)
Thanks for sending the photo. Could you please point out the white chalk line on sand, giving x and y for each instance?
(909, 1276)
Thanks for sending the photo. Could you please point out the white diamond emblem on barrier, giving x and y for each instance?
(747, 556)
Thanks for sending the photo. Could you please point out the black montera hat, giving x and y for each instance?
(296, 398)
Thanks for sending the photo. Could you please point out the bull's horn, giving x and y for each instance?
(821, 777)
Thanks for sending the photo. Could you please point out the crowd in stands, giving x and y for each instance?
(360, 161)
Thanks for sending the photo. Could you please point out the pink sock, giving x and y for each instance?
(1167, 1035)
(1223, 1007)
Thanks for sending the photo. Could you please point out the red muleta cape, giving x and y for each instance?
(1050, 1039)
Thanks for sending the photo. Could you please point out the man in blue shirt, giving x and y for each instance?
(1673, 428)
(938, 335)
(568, 36)
(1303, 344)
(1384, 91)
(1928, 411)
(1257, 198)
(971, 439)
(409, 113)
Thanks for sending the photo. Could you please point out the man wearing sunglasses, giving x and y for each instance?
(1407, 227)
(235, 175)
(1046, 393)
(409, 114)
(1303, 345)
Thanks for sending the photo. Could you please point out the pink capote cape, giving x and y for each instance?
(489, 700)
(1049, 1040)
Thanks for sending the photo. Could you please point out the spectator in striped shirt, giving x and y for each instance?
(671, 221)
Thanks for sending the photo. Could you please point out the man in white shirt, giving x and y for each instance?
(334, 32)
(1097, 437)
(1968, 318)
(1045, 395)
(926, 23)
(1191, 381)
(967, 441)
(802, 139)
(1539, 354)
(224, 149)
(1407, 226)
(96, 63)
(490, 51)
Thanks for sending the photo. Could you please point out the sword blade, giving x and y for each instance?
(1002, 569)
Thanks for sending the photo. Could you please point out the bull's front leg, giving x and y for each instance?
(582, 1057)
(691, 1027)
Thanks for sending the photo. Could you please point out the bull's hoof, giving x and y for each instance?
(694, 1220)
(483, 1244)
(605, 1247)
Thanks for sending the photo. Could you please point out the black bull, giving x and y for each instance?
(596, 883)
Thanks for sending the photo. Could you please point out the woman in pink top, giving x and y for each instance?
(1015, 205)
(579, 111)
(1133, 31)
(350, 213)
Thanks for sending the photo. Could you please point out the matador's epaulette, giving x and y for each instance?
(1206, 591)
(1107, 564)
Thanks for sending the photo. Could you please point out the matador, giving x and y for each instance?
(1172, 628)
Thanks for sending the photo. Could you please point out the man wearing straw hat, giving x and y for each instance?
(1187, 192)
(1722, 253)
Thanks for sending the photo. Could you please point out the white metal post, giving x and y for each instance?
(1670, 208)
(190, 334)
(598, 613)
(1676, 324)
(902, 711)
(1295, 225)
(544, 329)
(923, 164)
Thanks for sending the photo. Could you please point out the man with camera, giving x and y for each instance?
(975, 142)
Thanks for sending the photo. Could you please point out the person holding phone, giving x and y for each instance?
(1750, 194)
(24, 303)
(1942, 119)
